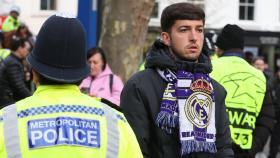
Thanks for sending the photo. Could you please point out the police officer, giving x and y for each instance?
(12, 23)
(248, 101)
(59, 120)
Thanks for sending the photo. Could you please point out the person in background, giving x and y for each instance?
(209, 44)
(12, 77)
(249, 56)
(275, 136)
(249, 101)
(4, 53)
(10, 26)
(11, 23)
(173, 106)
(101, 82)
(260, 64)
(24, 32)
(58, 120)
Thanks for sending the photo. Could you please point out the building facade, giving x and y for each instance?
(260, 19)
(35, 12)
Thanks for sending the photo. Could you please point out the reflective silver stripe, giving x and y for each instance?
(11, 135)
(112, 132)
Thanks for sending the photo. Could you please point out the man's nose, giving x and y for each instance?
(193, 36)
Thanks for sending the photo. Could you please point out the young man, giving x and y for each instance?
(248, 100)
(58, 120)
(12, 76)
(173, 106)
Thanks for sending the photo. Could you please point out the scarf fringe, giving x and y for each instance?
(167, 121)
(188, 146)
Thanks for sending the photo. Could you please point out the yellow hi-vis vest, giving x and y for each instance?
(4, 53)
(10, 24)
(246, 87)
(61, 122)
(142, 66)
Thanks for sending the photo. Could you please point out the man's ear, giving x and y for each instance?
(219, 52)
(165, 38)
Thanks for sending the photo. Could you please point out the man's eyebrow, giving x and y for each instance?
(188, 26)
(185, 26)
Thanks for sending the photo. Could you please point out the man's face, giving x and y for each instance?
(185, 39)
(24, 51)
(14, 14)
(259, 64)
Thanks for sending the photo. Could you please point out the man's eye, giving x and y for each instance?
(200, 30)
(183, 30)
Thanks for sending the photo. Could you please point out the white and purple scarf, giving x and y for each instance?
(188, 103)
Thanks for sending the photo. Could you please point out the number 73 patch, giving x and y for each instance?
(242, 137)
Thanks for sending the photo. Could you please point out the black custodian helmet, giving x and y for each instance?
(60, 50)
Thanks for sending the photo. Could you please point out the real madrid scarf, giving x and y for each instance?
(188, 103)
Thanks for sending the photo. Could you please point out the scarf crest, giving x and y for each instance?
(188, 104)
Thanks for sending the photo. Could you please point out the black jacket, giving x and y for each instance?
(141, 99)
(12, 82)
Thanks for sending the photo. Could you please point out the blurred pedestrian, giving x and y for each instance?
(209, 44)
(249, 56)
(10, 25)
(275, 137)
(173, 106)
(58, 120)
(101, 82)
(12, 77)
(260, 64)
(3, 52)
(24, 32)
(248, 101)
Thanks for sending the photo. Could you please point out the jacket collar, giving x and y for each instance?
(237, 53)
(68, 87)
(160, 57)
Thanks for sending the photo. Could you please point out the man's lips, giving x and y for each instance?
(193, 48)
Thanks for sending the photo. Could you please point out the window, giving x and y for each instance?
(199, 3)
(48, 5)
(246, 9)
(155, 11)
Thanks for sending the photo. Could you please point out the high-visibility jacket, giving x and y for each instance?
(60, 121)
(142, 67)
(246, 87)
(10, 24)
(4, 53)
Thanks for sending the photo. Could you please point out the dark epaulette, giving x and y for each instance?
(112, 105)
